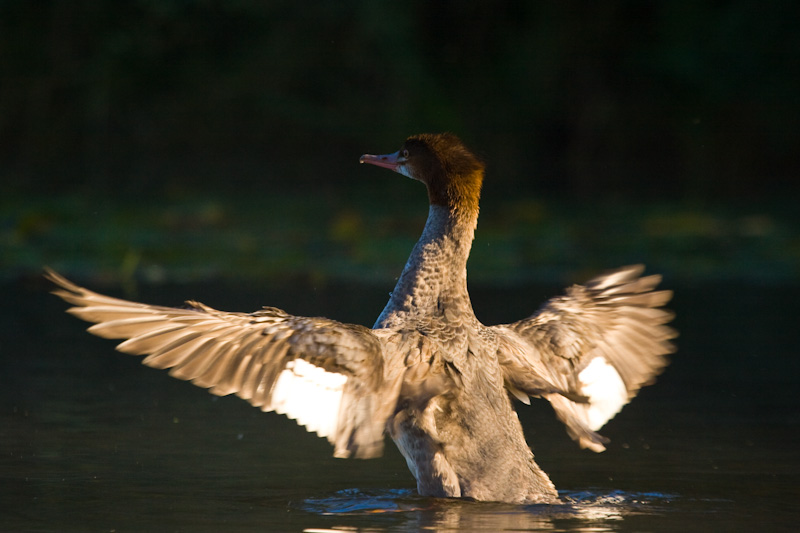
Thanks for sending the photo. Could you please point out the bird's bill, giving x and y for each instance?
(390, 161)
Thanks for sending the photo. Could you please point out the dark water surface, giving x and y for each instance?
(90, 440)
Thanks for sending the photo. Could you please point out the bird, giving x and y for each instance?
(428, 373)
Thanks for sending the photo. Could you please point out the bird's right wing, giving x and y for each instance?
(327, 375)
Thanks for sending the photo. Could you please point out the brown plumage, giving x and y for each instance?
(428, 372)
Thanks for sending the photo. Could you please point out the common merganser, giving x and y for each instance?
(428, 372)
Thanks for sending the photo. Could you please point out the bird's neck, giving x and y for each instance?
(435, 274)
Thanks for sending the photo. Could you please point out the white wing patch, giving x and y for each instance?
(606, 391)
(310, 395)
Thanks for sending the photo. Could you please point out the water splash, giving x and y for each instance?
(585, 511)
(615, 505)
(358, 501)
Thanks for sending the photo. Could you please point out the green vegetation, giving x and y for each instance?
(183, 139)
(291, 236)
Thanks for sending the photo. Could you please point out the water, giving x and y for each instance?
(90, 440)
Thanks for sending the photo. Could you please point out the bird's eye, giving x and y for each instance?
(405, 153)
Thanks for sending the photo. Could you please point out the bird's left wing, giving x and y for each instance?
(327, 375)
(590, 351)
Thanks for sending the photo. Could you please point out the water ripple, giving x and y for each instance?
(403, 510)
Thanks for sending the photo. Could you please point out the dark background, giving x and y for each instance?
(164, 150)
(157, 117)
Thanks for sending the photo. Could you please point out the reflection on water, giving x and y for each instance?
(90, 440)
(584, 511)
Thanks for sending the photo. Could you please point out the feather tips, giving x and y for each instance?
(326, 375)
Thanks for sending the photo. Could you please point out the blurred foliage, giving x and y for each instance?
(164, 139)
(315, 240)
(677, 98)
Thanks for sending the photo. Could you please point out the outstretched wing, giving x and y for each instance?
(597, 345)
(327, 375)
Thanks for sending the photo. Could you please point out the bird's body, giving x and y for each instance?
(459, 442)
(429, 372)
